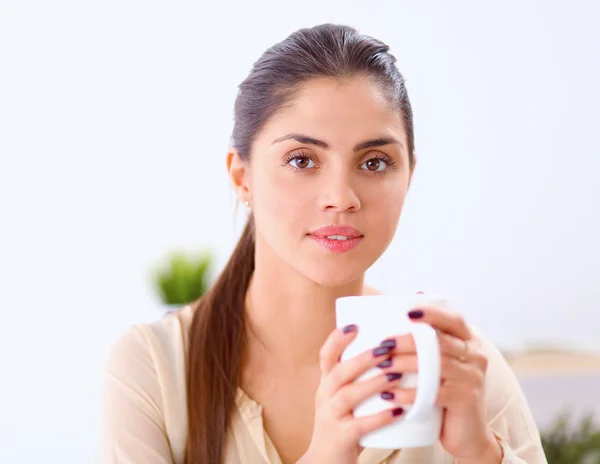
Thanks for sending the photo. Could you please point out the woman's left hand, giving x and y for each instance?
(465, 432)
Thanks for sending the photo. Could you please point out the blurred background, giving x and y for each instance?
(115, 118)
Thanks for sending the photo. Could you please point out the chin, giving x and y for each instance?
(332, 274)
(335, 269)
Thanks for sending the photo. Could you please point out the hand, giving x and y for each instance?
(336, 432)
(465, 432)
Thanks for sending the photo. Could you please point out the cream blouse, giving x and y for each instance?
(145, 418)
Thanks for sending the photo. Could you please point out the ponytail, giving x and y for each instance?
(216, 339)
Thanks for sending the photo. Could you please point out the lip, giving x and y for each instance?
(342, 229)
(337, 246)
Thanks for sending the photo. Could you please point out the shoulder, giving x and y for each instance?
(150, 357)
(164, 338)
(146, 368)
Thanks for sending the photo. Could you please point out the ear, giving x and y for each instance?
(412, 171)
(238, 174)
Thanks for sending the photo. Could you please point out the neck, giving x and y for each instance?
(289, 315)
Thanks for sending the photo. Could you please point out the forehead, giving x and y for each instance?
(342, 112)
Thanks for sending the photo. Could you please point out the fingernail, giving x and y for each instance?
(350, 328)
(386, 363)
(397, 411)
(390, 343)
(415, 314)
(393, 376)
(387, 395)
(381, 350)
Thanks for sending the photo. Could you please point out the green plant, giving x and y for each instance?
(183, 277)
(564, 444)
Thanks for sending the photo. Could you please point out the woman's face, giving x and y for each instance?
(337, 156)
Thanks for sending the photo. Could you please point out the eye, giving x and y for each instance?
(375, 165)
(302, 162)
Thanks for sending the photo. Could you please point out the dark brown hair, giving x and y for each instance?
(218, 332)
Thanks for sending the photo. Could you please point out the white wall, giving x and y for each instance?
(114, 121)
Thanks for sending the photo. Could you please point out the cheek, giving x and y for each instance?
(385, 202)
(382, 209)
(281, 203)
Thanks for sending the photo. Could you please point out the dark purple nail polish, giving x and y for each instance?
(384, 364)
(390, 343)
(381, 350)
(393, 376)
(350, 328)
(397, 411)
(387, 395)
(415, 314)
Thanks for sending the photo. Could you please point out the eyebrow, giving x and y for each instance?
(378, 142)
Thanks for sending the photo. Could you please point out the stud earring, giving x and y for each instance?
(247, 205)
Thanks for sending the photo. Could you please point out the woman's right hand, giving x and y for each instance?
(336, 432)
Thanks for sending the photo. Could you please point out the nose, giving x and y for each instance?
(338, 195)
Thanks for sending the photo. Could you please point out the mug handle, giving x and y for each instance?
(429, 374)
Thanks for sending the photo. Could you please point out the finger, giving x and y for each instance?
(405, 344)
(397, 395)
(452, 349)
(349, 370)
(356, 428)
(350, 396)
(450, 367)
(457, 348)
(400, 363)
(451, 345)
(442, 319)
(334, 346)
(457, 396)
(461, 372)
(469, 373)
(401, 344)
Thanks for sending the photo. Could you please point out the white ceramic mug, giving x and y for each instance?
(379, 317)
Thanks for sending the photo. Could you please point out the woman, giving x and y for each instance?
(322, 156)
